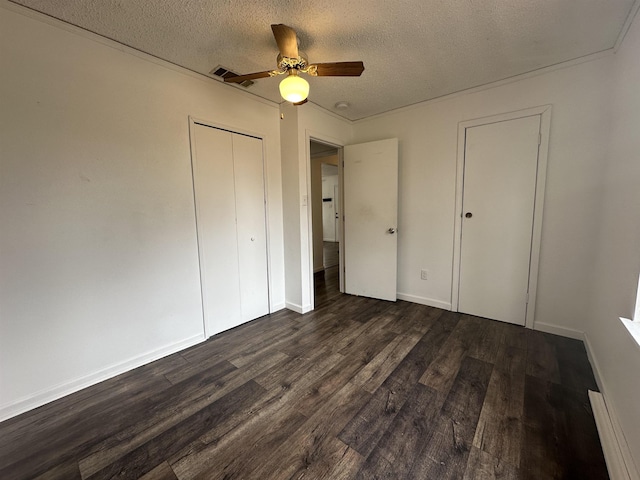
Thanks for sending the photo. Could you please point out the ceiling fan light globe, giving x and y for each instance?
(294, 89)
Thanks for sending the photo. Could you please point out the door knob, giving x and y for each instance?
(468, 214)
(392, 230)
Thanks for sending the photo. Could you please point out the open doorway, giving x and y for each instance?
(326, 225)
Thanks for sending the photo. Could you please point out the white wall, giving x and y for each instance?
(98, 254)
(292, 199)
(427, 136)
(299, 125)
(616, 268)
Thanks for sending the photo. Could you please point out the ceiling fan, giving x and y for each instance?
(292, 62)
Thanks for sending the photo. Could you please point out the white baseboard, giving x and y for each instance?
(298, 308)
(610, 447)
(294, 307)
(594, 363)
(424, 301)
(617, 454)
(277, 307)
(558, 330)
(49, 395)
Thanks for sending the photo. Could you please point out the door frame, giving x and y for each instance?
(544, 112)
(336, 211)
(193, 121)
(324, 139)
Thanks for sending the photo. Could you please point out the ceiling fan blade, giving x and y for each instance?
(339, 69)
(249, 76)
(286, 39)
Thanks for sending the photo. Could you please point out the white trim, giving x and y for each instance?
(633, 328)
(424, 301)
(536, 235)
(228, 128)
(627, 25)
(558, 330)
(636, 310)
(544, 111)
(192, 156)
(328, 112)
(619, 434)
(594, 363)
(610, 447)
(341, 261)
(267, 222)
(33, 14)
(277, 307)
(54, 393)
(633, 325)
(298, 308)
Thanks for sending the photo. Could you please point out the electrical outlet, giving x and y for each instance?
(424, 274)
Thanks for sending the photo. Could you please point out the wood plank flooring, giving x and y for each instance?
(357, 389)
(327, 285)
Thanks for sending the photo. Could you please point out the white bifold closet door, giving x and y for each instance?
(230, 215)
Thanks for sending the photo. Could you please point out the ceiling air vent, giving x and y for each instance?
(223, 72)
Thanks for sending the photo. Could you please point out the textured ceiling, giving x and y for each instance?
(413, 50)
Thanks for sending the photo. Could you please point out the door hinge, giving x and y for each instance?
(539, 139)
(527, 301)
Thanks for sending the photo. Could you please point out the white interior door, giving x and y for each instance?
(371, 217)
(251, 226)
(500, 169)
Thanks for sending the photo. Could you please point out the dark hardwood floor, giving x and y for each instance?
(327, 286)
(357, 389)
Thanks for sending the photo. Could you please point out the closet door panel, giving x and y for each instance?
(216, 219)
(251, 226)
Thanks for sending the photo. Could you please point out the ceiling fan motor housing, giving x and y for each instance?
(286, 63)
